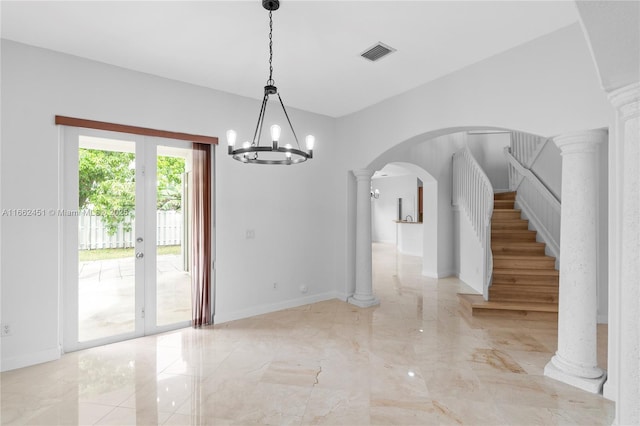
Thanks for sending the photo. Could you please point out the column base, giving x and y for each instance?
(589, 385)
(366, 303)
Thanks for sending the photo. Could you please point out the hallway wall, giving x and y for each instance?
(547, 86)
(385, 208)
(38, 84)
(488, 150)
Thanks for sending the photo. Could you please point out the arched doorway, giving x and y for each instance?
(405, 212)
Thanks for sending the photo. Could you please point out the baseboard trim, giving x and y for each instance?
(27, 360)
(603, 319)
(342, 296)
(385, 241)
(410, 253)
(222, 317)
(439, 274)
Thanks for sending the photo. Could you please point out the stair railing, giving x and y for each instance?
(473, 192)
(536, 201)
(525, 147)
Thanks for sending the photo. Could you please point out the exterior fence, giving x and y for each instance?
(92, 234)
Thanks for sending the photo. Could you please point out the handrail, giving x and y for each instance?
(537, 202)
(525, 147)
(537, 153)
(527, 173)
(473, 191)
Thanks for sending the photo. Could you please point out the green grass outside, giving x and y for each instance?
(104, 254)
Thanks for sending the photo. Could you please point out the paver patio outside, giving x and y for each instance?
(106, 295)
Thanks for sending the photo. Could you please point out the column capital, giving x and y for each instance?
(362, 173)
(626, 100)
(580, 142)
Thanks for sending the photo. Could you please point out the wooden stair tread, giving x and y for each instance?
(522, 257)
(513, 247)
(519, 244)
(525, 282)
(529, 272)
(513, 234)
(503, 203)
(504, 224)
(504, 195)
(512, 231)
(476, 301)
(507, 287)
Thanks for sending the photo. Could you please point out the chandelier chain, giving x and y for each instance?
(270, 81)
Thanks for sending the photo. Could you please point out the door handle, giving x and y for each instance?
(139, 255)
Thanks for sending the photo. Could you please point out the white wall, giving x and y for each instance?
(548, 86)
(432, 157)
(301, 200)
(410, 239)
(488, 150)
(385, 208)
(469, 253)
(548, 167)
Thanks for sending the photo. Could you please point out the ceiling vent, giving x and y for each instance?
(377, 51)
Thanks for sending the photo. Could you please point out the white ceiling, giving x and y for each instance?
(317, 67)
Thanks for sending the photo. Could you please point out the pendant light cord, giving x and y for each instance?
(270, 82)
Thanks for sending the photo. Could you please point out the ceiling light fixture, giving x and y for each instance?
(270, 154)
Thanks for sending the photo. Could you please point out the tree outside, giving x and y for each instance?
(107, 185)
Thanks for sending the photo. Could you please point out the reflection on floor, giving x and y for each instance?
(412, 360)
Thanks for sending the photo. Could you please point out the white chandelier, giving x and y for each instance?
(253, 152)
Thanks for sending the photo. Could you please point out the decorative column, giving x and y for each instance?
(624, 287)
(363, 296)
(576, 361)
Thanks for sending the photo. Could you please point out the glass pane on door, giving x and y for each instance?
(106, 220)
(173, 279)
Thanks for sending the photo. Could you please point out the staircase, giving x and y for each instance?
(525, 281)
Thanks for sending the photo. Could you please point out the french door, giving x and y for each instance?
(126, 229)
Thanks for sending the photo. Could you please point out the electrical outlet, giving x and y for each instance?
(304, 288)
(251, 234)
(6, 329)
(275, 286)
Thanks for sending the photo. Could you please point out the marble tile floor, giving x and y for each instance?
(415, 360)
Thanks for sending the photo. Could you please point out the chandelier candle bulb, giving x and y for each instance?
(310, 140)
(275, 135)
(276, 131)
(231, 139)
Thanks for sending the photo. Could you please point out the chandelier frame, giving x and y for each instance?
(250, 152)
